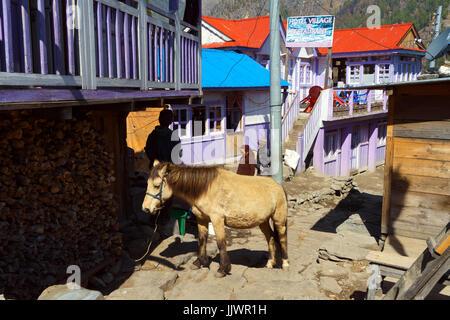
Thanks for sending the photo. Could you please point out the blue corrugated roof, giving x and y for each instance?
(228, 69)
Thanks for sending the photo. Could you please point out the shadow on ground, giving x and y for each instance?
(366, 206)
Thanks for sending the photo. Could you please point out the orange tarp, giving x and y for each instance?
(139, 125)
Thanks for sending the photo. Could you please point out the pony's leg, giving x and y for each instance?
(219, 230)
(280, 224)
(268, 233)
(202, 259)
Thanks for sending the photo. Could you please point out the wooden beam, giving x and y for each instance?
(388, 168)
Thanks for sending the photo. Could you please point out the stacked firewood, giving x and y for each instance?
(57, 206)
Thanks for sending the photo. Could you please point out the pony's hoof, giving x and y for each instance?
(285, 265)
(219, 274)
(270, 264)
(196, 265)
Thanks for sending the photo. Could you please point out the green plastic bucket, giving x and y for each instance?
(180, 215)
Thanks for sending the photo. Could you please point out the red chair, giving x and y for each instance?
(310, 100)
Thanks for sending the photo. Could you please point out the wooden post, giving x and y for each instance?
(385, 213)
(327, 70)
(143, 44)
(177, 51)
(87, 44)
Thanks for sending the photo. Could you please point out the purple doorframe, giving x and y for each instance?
(318, 150)
(373, 139)
(346, 150)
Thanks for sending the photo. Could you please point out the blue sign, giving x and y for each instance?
(310, 32)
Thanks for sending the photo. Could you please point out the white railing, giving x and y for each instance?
(315, 122)
(290, 116)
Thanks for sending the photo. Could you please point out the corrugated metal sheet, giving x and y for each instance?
(227, 69)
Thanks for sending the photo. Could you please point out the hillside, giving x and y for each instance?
(349, 13)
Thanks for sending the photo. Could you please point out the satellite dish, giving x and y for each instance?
(439, 46)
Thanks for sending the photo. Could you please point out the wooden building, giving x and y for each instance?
(70, 73)
(416, 201)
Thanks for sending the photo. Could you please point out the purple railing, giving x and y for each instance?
(353, 103)
(96, 44)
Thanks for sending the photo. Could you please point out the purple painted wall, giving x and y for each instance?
(366, 154)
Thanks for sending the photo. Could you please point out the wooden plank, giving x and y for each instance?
(423, 108)
(425, 89)
(405, 246)
(421, 167)
(8, 35)
(71, 23)
(425, 130)
(390, 259)
(58, 47)
(422, 149)
(42, 36)
(25, 13)
(406, 229)
(423, 184)
(421, 200)
(419, 218)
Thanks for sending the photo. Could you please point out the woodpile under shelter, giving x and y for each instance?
(70, 73)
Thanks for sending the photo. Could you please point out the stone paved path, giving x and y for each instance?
(327, 227)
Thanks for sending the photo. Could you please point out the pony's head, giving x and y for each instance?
(158, 190)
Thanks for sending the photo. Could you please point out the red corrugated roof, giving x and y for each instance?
(364, 39)
(250, 33)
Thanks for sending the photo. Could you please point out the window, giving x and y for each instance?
(199, 121)
(358, 59)
(180, 121)
(215, 119)
(307, 73)
(383, 73)
(381, 134)
(301, 76)
(234, 116)
(381, 58)
(354, 74)
(331, 145)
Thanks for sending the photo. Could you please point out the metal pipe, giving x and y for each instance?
(436, 33)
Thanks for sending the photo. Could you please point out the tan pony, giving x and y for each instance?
(223, 198)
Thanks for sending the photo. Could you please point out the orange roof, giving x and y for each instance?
(250, 33)
(386, 37)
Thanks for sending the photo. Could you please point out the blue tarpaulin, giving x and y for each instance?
(228, 69)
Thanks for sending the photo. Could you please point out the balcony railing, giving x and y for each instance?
(93, 44)
(354, 103)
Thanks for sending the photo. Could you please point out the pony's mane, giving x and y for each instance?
(191, 181)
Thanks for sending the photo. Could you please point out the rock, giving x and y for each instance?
(331, 269)
(136, 294)
(145, 285)
(330, 284)
(62, 292)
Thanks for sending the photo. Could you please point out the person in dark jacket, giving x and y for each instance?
(247, 162)
(163, 143)
(263, 158)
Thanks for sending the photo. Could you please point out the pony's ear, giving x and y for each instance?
(155, 162)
